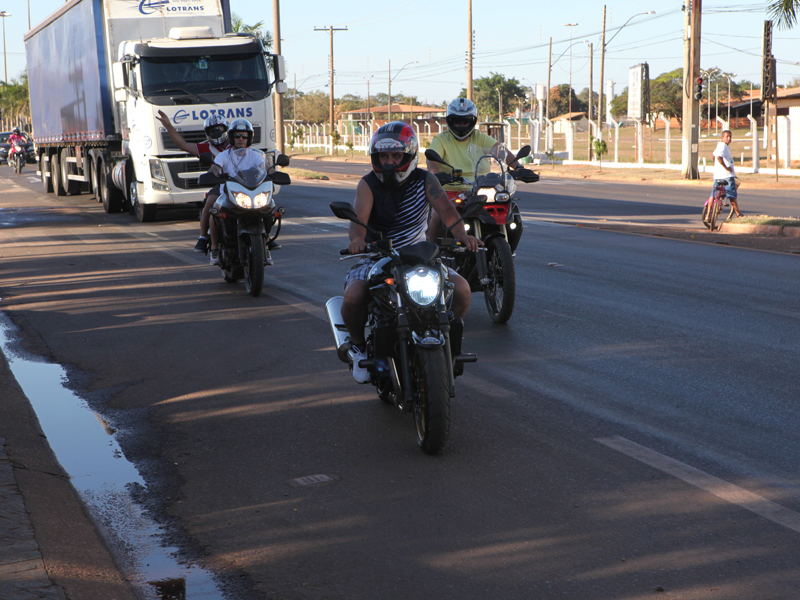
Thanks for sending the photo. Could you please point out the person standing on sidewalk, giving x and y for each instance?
(724, 169)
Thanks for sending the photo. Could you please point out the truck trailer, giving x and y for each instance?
(100, 70)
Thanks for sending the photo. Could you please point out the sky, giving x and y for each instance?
(511, 38)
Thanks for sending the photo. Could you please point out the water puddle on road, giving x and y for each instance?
(85, 447)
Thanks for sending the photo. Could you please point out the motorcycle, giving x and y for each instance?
(17, 157)
(498, 225)
(244, 215)
(413, 342)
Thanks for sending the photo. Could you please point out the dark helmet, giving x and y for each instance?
(241, 126)
(216, 128)
(15, 130)
(461, 117)
(396, 136)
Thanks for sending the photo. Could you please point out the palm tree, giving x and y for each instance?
(239, 26)
(784, 12)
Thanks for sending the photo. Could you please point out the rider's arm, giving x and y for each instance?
(447, 211)
(176, 137)
(722, 162)
(363, 208)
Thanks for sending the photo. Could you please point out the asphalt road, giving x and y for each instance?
(631, 432)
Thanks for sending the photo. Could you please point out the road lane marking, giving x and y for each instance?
(713, 485)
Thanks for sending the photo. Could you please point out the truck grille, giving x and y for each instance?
(175, 168)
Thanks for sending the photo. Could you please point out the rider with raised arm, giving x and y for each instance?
(457, 146)
(395, 198)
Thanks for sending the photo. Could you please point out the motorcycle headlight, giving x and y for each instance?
(157, 170)
(261, 200)
(502, 197)
(423, 285)
(243, 200)
(488, 192)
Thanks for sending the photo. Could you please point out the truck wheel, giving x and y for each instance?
(97, 165)
(44, 166)
(146, 213)
(55, 174)
(73, 188)
(110, 196)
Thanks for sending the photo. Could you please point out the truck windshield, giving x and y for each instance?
(208, 78)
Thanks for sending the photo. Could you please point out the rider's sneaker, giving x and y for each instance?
(214, 258)
(268, 259)
(201, 245)
(273, 245)
(360, 374)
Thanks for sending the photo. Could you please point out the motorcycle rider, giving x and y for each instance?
(241, 132)
(454, 146)
(395, 198)
(16, 137)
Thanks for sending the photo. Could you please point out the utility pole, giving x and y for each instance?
(389, 114)
(602, 64)
(691, 107)
(591, 89)
(549, 68)
(331, 30)
(276, 42)
(470, 91)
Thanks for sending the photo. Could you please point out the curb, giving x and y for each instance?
(784, 230)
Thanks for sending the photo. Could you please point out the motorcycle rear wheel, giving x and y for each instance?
(501, 291)
(432, 405)
(254, 264)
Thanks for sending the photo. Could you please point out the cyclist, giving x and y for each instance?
(724, 170)
(456, 144)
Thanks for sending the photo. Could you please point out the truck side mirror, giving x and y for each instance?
(118, 72)
(120, 95)
(278, 68)
(281, 87)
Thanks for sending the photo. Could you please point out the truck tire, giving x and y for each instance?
(110, 196)
(55, 174)
(145, 213)
(44, 169)
(73, 188)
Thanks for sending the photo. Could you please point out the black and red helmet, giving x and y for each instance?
(396, 136)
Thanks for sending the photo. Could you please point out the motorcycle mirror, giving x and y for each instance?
(523, 152)
(343, 210)
(280, 178)
(282, 160)
(206, 159)
(433, 156)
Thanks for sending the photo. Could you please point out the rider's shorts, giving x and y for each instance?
(730, 187)
(360, 271)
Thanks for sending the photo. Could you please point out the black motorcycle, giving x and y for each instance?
(498, 225)
(244, 215)
(413, 341)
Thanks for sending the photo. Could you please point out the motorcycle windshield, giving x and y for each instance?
(248, 167)
(491, 171)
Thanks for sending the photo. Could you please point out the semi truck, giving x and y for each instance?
(100, 70)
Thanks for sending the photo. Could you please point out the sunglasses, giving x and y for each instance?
(240, 136)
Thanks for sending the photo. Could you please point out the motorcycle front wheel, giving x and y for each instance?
(432, 404)
(254, 264)
(18, 164)
(501, 291)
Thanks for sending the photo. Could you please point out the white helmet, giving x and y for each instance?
(461, 117)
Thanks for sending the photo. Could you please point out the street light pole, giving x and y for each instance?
(390, 84)
(4, 14)
(570, 25)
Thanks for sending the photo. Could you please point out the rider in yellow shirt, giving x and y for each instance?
(461, 146)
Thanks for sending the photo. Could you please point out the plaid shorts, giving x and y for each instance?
(360, 270)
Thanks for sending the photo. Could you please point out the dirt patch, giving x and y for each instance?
(772, 243)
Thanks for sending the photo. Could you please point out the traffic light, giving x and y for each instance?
(698, 88)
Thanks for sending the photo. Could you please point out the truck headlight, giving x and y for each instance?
(423, 285)
(157, 170)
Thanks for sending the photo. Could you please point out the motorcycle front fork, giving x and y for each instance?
(483, 267)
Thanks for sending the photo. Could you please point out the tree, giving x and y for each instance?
(584, 97)
(14, 99)
(239, 26)
(666, 95)
(619, 105)
(486, 96)
(559, 101)
(784, 12)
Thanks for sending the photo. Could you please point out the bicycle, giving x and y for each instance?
(714, 205)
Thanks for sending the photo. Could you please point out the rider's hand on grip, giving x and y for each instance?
(357, 247)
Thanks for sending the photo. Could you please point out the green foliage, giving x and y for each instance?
(619, 105)
(337, 139)
(489, 90)
(600, 149)
(784, 12)
(14, 99)
(666, 95)
(239, 26)
(559, 101)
